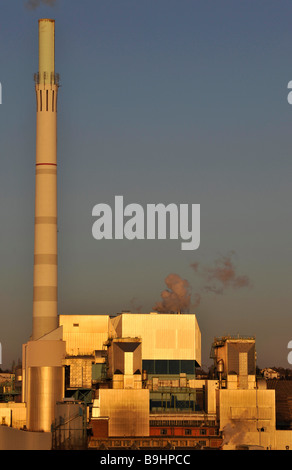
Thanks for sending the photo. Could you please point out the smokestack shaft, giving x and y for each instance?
(45, 244)
(43, 373)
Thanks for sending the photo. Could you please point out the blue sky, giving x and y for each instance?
(161, 101)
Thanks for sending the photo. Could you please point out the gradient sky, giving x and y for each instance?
(181, 101)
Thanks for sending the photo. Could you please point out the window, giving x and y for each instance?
(188, 367)
(169, 366)
(75, 324)
(188, 432)
(163, 432)
(161, 367)
(174, 367)
(203, 432)
(148, 365)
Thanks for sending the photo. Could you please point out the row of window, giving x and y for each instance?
(181, 423)
(169, 367)
(187, 432)
(174, 404)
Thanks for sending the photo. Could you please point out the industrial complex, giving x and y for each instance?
(124, 381)
(129, 381)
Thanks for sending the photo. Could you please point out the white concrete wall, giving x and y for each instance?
(14, 439)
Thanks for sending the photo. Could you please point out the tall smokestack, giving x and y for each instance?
(45, 244)
(43, 371)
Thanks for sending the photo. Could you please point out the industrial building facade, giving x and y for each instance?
(136, 376)
(137, 372)
(114, 396)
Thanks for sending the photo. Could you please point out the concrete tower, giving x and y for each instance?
(45, 245)
(43, 372)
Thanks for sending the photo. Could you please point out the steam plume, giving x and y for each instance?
(197, 301)
(33, 4)
(177, 297)
(233, 433)
(221, 276)
(217, 278)
(135, 306)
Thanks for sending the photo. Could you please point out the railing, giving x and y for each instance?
(65, 436)
(190, 443)
(47, 78)
(228, 337)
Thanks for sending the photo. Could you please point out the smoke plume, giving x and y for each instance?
(221, 276)
(177, 296)
(197, 300)
(234, 433)
(135, 306)
(215, 279)
(33, 4)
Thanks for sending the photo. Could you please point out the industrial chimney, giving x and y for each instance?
(43, 372)
(45, 244)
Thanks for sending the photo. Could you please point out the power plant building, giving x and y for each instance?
(122, 362)
(127, 380)
(137, 381)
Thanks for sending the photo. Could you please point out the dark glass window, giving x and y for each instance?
(174, 367)
(165, 367)
(148, 365)
(161, 367)
(188, 367)
(202, 443)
